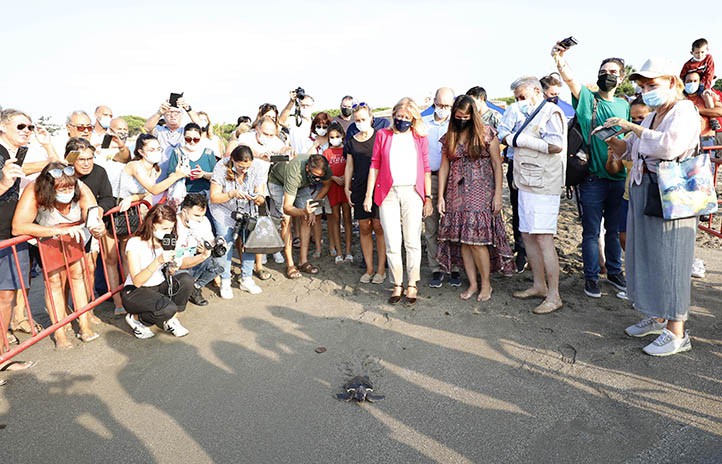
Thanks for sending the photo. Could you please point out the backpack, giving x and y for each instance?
(579, 150)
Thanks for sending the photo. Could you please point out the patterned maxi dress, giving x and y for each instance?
(469, 218)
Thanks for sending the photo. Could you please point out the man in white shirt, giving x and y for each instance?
(299, 127)
(103, 116)
(438, 124)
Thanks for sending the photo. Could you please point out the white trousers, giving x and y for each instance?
(401, 217)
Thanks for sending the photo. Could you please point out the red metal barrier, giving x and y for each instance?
(706, 226)
(62, 252)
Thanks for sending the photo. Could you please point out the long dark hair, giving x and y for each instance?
(45, 186)
(475, 143)
(156, 215)
(140, 144)
(240, 153)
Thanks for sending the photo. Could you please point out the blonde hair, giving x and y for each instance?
(417, 124)
(678, 85)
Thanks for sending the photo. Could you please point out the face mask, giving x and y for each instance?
(655, 98)
(313, 179)
(104, 122)
(158, 234)
(401, 125)
(607, 82)
(321, 131)
(122, 136)
(442, 113)
(346, 112)
(695, 59)
(461, 124)
(554, 100)
(263, 140)
(691, 87)
(154, 157)
(64, 198)
(335, 141)
(523, 106)
(306, 113)
(363, 126)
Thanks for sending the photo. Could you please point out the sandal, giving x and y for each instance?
(395, 299)
(24, 326)
(17, 366)
(308, 268)
(88, 337)
(262, 274)
(292, 273)
(410, 301)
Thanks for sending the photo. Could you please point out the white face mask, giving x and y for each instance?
(104, 122)
(321, 131)
(263, 140)
(335, 141)
(523, 106)
(442, 113)
(158, 234)
(363, 126)
(154, 157)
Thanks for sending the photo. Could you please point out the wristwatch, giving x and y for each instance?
(429, 197)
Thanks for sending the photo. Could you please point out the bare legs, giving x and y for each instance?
(544, 264)
(476, 260)
(366, 227)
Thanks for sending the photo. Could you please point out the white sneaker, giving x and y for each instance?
(338, 259)
(173, 326)
(248, 285)
(264, 259)
(668, 344)
(226, 291)
(278, 257)
(698, 270)
(647, 326)
(348, 258)
(139, 329)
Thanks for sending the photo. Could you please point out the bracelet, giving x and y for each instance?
(429, 197)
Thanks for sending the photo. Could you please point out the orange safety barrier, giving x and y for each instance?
(58, 253)
(706, 226)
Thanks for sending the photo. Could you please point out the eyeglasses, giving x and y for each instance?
(83, 127)
(29, 127)
(359, 105)
(84, 160)
(443, 107)
(193, 139)
(58, 173)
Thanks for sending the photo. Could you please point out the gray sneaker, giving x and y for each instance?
(647, 326)
(668, 344)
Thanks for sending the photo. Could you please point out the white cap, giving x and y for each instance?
(654, 67)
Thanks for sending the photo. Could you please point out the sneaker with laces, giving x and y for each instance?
(248, 285)
(278, 257)
(436, 279)
(455, 279)
(668, 344)
(698, 270)
(226, 290)
(139, 329)
(174, 327)
(591, 288)
(647, 326)
(618, 281)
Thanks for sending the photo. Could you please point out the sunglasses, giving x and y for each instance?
(29, 127)
(83, 127)
(359, 105)
(193, 139)
(58, 173)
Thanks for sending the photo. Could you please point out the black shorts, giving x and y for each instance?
(359, 213)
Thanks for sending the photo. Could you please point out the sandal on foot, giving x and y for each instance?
(262, 274)
(528, 293)
(308, 268)
(410, 301)
(17, 366)
(482, 298)
(293, 272)
(467, 294)
(395, 299)
(88, 336)
(547, 307)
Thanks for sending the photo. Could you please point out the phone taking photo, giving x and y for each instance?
(72, 157)
(107, 138)
(604, 134)
(92, 220)
(20, 155)
(173, 100)
(568, 43)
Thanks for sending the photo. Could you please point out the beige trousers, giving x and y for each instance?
(401, 217)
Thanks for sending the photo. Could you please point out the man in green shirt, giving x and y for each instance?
(600, 193)
(293, 187)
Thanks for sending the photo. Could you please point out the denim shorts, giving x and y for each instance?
(275, 205)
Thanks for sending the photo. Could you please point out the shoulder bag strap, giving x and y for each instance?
(594, 120)
(528, 120)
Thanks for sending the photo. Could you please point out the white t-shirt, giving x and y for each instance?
(188, 239)
(146, 254)
(299, 137)
(403, 158)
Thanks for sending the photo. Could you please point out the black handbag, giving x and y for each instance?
(579, 150)
(653, 203)
(125, 222)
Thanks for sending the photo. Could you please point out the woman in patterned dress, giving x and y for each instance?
(470, 200)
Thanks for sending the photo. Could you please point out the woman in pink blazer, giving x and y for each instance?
(400, 184)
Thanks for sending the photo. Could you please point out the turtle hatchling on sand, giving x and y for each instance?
(359, 388)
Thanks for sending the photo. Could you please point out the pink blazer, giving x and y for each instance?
(380, 161)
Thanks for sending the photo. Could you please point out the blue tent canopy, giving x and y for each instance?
(430, 110)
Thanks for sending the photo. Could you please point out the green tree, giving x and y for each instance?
(224, 130)
(135, 125)
(718, 85)
(626, 89)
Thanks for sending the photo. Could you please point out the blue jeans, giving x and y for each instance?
(247, 259)
(601, 198)
(204, 272)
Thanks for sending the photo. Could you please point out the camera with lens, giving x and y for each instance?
(241, 219)
(219, 249)
(300, 93)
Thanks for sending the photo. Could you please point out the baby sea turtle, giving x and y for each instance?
(359, 388)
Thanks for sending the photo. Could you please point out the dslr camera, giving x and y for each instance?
(219, 249)
(241, 219)
(300, 93)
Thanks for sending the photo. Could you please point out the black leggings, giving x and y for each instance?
(153, 305)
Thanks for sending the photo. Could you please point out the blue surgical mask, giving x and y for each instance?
(691, 87)
(401, 125)
(64, 198)
(523, 106)
(655, 98)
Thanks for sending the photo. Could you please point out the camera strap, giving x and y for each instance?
(528, 120)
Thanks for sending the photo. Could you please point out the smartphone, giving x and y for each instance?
(604, 134)
(279, 158)
(314, 203)
(569, 42)
(92, 220)
(20, 156)
(107, 138)
(72, 156)
(173, 100)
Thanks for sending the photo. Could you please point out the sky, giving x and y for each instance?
(228, 57)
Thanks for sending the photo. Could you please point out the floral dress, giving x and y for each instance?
(469, 218)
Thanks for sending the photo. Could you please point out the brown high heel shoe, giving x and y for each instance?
(410, 301)
(394, 299)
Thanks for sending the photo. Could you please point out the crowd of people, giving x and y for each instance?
(436, 174)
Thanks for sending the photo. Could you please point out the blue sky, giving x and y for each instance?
(229, 57)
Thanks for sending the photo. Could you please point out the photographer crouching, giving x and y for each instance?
(237, 189)
(197, 246)
(153, 292)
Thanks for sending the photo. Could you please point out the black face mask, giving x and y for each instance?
(554, 99)
(346, 112)
(607, 82)
(313, 180)
(460, 124)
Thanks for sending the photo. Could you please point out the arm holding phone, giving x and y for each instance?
(152, 121)
(558, 51)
